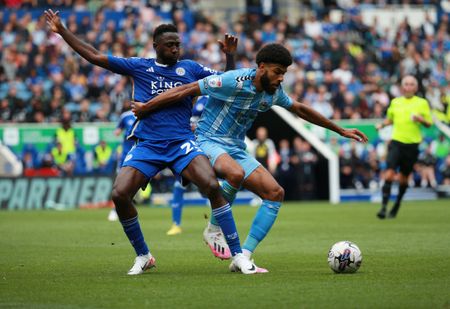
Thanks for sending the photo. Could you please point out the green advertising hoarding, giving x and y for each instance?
(41, 135)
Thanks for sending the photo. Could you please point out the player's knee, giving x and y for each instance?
(235, 177)
(211, 186)
(276, 194)
(118, 196)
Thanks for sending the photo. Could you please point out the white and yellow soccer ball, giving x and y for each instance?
(344, 257)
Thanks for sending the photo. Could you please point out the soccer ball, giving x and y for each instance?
(344, 257)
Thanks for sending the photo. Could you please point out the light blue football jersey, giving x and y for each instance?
(150, 79)
(233, 105)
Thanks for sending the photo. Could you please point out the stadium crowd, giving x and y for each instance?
(344, 70)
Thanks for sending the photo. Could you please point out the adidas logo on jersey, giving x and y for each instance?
(150, 69)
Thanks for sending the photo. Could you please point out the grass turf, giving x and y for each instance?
(77, 259)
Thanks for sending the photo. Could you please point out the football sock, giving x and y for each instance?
(264, 219)
(401, 193)
(229, 193)
(386, 193)
(224, 217)
(177, 202)
(134, 234)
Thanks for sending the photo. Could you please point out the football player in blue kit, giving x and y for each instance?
(235, 99)
(164, 138)
(177, 202)
(126, 121)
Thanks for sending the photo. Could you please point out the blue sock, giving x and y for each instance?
(134, 234)
(264, 219)
(224, 217)
(177, 202)
(229, 193)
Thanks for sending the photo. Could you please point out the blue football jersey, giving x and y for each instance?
(233, 105)
(126, 122)
(150, 79)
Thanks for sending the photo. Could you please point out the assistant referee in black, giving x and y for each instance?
(407, 114)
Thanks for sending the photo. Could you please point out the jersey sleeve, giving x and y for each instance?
(425, 111)
(220, 87)
(123, 66)
(201, 71)
(390, 111)
(282, 99)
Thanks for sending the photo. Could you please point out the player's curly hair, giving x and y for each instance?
(164, 28)
(274, 53)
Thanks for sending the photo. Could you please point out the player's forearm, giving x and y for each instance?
(85, 50)
(316, 118)
(172, 96)
(230, 63)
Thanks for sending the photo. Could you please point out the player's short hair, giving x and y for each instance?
(274, 53)
(164, 28)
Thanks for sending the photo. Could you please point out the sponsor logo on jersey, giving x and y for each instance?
(180, 71)
(215, 82)
(158, 87)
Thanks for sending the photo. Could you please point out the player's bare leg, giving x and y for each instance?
(127, 183)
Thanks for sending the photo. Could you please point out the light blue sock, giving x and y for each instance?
(264, 219)
(177, 202)
(134, 234)
(229, 193)
(224, 217)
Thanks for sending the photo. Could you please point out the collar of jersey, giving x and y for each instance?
(161, 64)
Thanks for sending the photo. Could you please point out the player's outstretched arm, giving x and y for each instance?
(85, 50)
(386, 122)
(165, 99)
(309, 114)
(228, 47)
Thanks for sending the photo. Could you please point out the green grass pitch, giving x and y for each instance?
(77, 259)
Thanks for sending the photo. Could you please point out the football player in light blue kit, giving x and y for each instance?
(177, 202)
(235, 99)
(164, 138)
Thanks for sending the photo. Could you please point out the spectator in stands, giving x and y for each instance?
(445, 170)
(62, 159)
(65, 135)
(285, 174)
(427, 162)
(264, 150)
(103, 158)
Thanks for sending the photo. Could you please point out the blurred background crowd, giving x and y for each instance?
(344, 68)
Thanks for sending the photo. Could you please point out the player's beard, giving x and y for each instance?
(265, 83)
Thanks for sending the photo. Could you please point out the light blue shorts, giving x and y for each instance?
(213, 148)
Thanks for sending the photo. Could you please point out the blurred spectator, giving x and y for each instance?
(427, 163)
(304, 161)
(264, 150)
(445, 170)
(285, 172)
(103, 159)
(62, 159)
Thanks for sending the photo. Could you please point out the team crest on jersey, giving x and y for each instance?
(180, 71)
(215, 82)
(263, 105)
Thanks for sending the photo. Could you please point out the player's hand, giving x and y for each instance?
(355, 134)
(53, 21)
(417, 118)
(229, 45)
(138, 109)
(379, 126)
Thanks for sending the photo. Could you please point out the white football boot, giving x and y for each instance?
(234, 268)
(142, 263)
(214, 238)
(242, 264)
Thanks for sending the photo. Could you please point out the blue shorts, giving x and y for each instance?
(126, 147)
(150, 157)
(213, 148)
